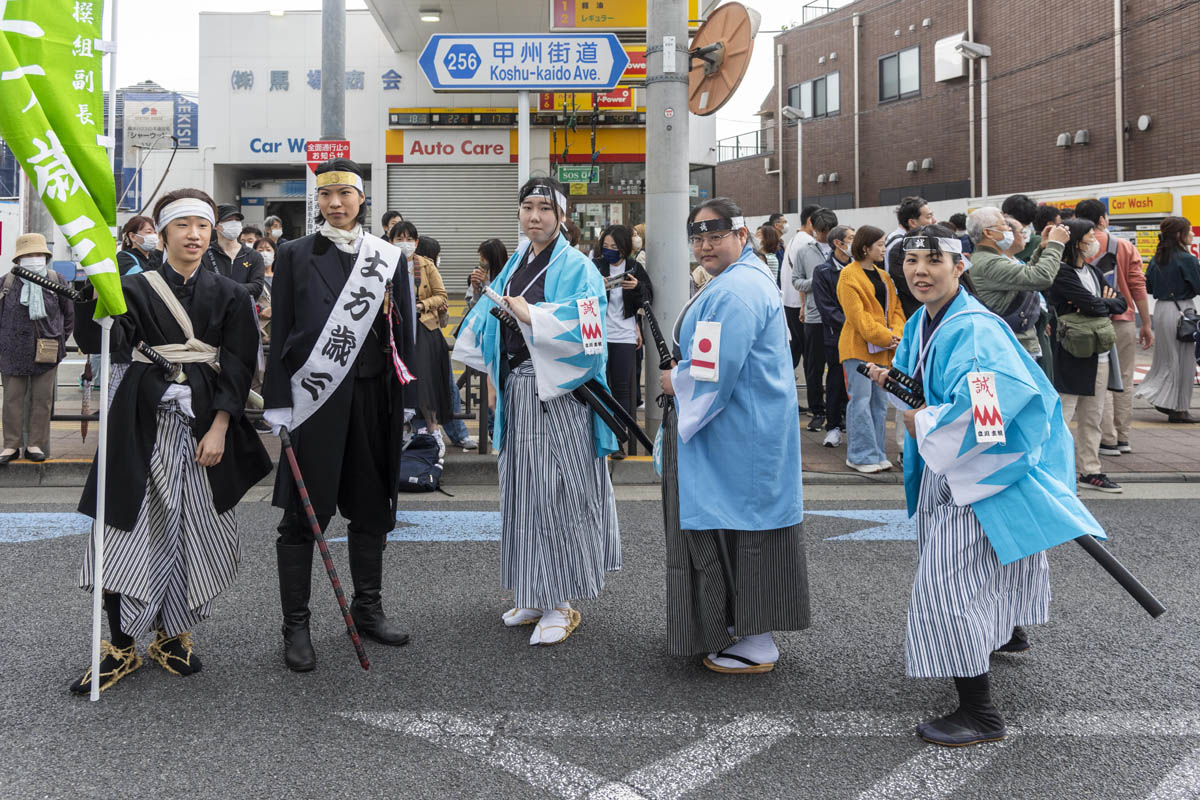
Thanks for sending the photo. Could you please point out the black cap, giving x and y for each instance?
(229, 211)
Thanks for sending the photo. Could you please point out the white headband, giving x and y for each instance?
(922, 242)
(185, 207)
(542, 190)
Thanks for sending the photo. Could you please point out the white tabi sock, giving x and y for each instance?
(759, 648)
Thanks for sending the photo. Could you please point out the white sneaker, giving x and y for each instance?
(468, 444)
(521, 616)
(833, 438)
(885, 465)
(867, 468)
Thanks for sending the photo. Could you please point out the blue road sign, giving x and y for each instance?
(542, 62)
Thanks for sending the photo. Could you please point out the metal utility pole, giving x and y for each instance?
(333, 69)
(667, 171)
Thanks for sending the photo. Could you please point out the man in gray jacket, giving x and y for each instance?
(810, 256)
(1000, 281)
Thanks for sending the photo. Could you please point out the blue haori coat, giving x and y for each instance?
(1022, 491)
(553, 337)
(739, 437)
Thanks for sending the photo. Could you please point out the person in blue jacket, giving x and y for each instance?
(736, 567)
(989, 472)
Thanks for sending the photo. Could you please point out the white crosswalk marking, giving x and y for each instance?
(1182, 782)
(933, 773)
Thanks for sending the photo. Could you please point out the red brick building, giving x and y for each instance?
(1052, 102)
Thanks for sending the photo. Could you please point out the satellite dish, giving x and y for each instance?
(720, 54)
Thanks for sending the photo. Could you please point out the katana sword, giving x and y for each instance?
(159, 360)
(285, 439)
(910, 391)
(46, 283)
(660, 342)
(592, 392)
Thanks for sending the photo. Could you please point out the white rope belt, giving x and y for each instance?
(194, 351)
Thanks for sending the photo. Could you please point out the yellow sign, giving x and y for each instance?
(579, 188)
(1147, 243)
(1068, 204)
(608, 15)
(1127, 204)
(1190, 208)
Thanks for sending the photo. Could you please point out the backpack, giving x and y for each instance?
(420, 466)
(1107, 263)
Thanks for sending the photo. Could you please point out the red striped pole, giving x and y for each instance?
(286, 439)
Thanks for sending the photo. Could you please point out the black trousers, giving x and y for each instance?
(794, 317)
(814, 366)
(622, 373)
(836, 397)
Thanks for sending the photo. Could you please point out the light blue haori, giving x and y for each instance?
(1022, 491)
(553, 335)
(739, 436)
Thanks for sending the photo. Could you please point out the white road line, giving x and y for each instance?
(1182, 782)
(933, 773)
(702, 762)
(601, 725)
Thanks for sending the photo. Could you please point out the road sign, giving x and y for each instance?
(316, 152)
(577, 174)
(523, 62)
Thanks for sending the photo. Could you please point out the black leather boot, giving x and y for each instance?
(295, 582)
(366, 567)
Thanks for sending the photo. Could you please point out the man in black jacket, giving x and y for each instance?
(824, 291)
(229, 257)
(343, 324)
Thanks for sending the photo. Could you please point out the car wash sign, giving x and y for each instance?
(523, 62)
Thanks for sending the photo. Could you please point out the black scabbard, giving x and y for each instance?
(660, 341)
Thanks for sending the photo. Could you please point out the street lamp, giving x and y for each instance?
(980, 52)
(795, 114)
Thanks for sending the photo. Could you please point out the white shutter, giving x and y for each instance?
(460, 205)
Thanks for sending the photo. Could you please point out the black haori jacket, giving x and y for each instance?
(309, 275)
(222, 315)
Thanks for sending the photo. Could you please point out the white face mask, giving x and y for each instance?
(783, 229)
(637, 243)
(1090, 250)
(276, 233)
(230, 230)
(32, 262)
(1028, 231)
(408, 248)
(268, 257)
(150, 242)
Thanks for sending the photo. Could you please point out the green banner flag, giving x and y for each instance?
(52, 98)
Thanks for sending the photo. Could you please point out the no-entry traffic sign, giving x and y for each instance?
(523, 62)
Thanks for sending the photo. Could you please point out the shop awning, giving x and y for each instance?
(400, 20)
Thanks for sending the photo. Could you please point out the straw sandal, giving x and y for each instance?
(573, 620)
(751, 668)
(174, 653)
(521, 616)
(114, 665)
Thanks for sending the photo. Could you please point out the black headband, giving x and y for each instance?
(712, 225)
(550, 193)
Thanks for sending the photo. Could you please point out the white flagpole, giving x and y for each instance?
(105, 370)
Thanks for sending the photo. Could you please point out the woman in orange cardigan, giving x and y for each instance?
(874, 325)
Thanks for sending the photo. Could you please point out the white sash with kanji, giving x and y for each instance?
(346, 329)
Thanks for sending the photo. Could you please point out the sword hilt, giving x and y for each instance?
(894, 387)
(46, 283)
(157, 359)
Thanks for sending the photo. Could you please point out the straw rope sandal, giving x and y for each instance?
(515, 617)
(541, 635)
(114, 665)
(174, 653)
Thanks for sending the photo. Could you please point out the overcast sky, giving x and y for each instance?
(146, 21)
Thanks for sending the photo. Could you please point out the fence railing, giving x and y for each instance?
(744, 145)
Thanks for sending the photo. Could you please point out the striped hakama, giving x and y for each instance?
(559, 531)
(964, 602)
(181, 553)
(770, 574)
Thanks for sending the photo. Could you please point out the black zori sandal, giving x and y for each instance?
(114, 664)
(751, 668)
(174, 653)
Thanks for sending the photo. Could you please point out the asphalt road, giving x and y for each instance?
(1106, 704)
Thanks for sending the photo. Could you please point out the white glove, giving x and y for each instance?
(278, 418)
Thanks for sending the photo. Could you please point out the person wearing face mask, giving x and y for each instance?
(273, 227)
(988, 501)
(824, 293)
(627, 284)
(34, 326)
(266, 250)
(1085, 362)
(639, 243)
(229, 257)
(1009, 288)
(1023, 209)
(431, 358)
(139, 246)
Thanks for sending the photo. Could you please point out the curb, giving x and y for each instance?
(466, 469)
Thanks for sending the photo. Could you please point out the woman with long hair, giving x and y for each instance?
(874, 324)
(1173, 277)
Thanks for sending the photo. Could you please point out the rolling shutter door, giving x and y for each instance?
(460, 205)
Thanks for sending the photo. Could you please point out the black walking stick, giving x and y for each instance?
(286, 439)
(911, 392)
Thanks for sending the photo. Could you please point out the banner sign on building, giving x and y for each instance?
(53, 121)
(478, 146)
(608, 15)
(315, 153)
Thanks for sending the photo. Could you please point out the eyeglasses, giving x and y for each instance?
(709, 238)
